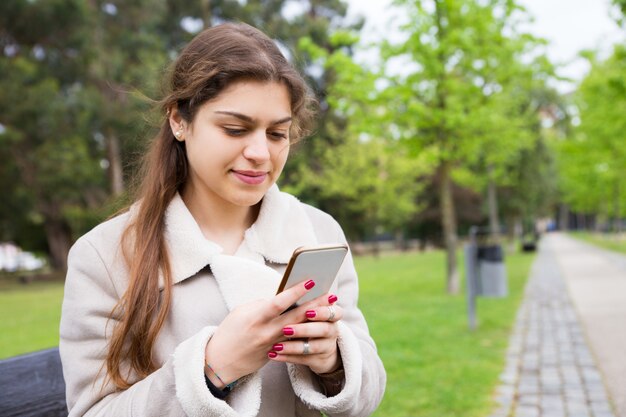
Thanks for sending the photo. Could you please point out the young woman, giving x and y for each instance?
(170, 308)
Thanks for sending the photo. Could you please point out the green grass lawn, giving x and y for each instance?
(435, 365)
(30, 316)
(608, 241)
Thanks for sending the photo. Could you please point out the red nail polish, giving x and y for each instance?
(277, 347)
(288, 331)
(271, 354)
(309, 284)
(310, 313)
(332, 299)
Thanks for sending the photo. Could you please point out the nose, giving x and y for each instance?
(257, 148)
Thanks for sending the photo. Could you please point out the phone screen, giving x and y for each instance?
(320, 264)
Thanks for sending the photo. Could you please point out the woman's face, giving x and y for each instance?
(238, 143)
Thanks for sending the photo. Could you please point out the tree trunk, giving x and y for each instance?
(494, 221)
(206, 13)
(563, 217)
(58, 233)
(514, 230)
(376, 243)
(116, 178)
(448, 223)
(617, 225)
(400, 241)
(59, 239)
(448, 220)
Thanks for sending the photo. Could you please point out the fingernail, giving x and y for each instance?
(288, 331)
(310, 313)
(309, 284)
(271, 354)
(332, 299)
(277, 347)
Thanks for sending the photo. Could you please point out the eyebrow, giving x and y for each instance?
(250, 119)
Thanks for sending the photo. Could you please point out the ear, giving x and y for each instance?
(177, 124)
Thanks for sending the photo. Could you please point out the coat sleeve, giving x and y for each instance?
(177, 388)
(365, 376)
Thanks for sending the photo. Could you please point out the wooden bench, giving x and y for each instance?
(32, 385)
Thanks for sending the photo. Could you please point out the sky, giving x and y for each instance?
(569, 26)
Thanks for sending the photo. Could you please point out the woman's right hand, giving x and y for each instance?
(240, 344)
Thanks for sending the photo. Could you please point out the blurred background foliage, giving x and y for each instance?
(457, 124)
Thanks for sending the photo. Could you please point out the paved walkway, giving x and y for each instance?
(551, 370)
(596, 280)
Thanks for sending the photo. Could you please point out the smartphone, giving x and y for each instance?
(319, 263)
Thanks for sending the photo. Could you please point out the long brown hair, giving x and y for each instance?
(213, 60)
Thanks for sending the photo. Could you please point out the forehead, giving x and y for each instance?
(258, 100)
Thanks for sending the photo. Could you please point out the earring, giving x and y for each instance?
(178, 134)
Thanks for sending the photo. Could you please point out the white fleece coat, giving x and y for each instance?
(207, 285)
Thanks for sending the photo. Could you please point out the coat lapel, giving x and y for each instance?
(282, 226)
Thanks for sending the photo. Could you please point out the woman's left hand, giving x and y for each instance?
(314, 342)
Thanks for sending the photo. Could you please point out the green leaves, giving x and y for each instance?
(593, 159)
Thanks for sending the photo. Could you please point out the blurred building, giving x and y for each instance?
(13, 258)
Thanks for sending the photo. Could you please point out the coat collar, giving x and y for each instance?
(282, 226)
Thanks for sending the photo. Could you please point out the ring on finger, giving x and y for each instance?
(331, 313)
(306, 349)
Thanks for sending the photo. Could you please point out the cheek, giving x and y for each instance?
(281, 153)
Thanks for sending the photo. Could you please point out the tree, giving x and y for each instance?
(454, 98)
(621, 4)
(367, 174)
(85, 73)
(593, 160)
(43, 113)
(127, 56)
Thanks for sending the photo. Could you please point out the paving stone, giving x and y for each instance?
(552, 402)
(592, 377)
(506, 390)
(601, 409)
(572, 385)
(528, 388)
(529, 399)
(553, 413)
(597, 393)
(555, 389)
(549, 376)
(508, 377)
(526, 411)
(530, 366)
(576, 405)
(575, 394)
(603, 414)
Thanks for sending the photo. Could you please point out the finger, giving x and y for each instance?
(299, 314)
(300, 347)
(331, 313)
(311, 330)
(323, 300)
(287, 298)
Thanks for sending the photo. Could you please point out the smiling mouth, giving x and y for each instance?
(250, 177)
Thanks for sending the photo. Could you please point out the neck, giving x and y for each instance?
(222, 223)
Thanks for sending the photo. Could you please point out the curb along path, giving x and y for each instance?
(550, 371)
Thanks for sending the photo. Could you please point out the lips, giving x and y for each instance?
(250, 177)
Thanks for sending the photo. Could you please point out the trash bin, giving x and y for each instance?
(491, 280)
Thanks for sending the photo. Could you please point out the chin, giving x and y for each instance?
(249, 200)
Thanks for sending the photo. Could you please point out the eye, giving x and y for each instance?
(278, 135)
(234, 131)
